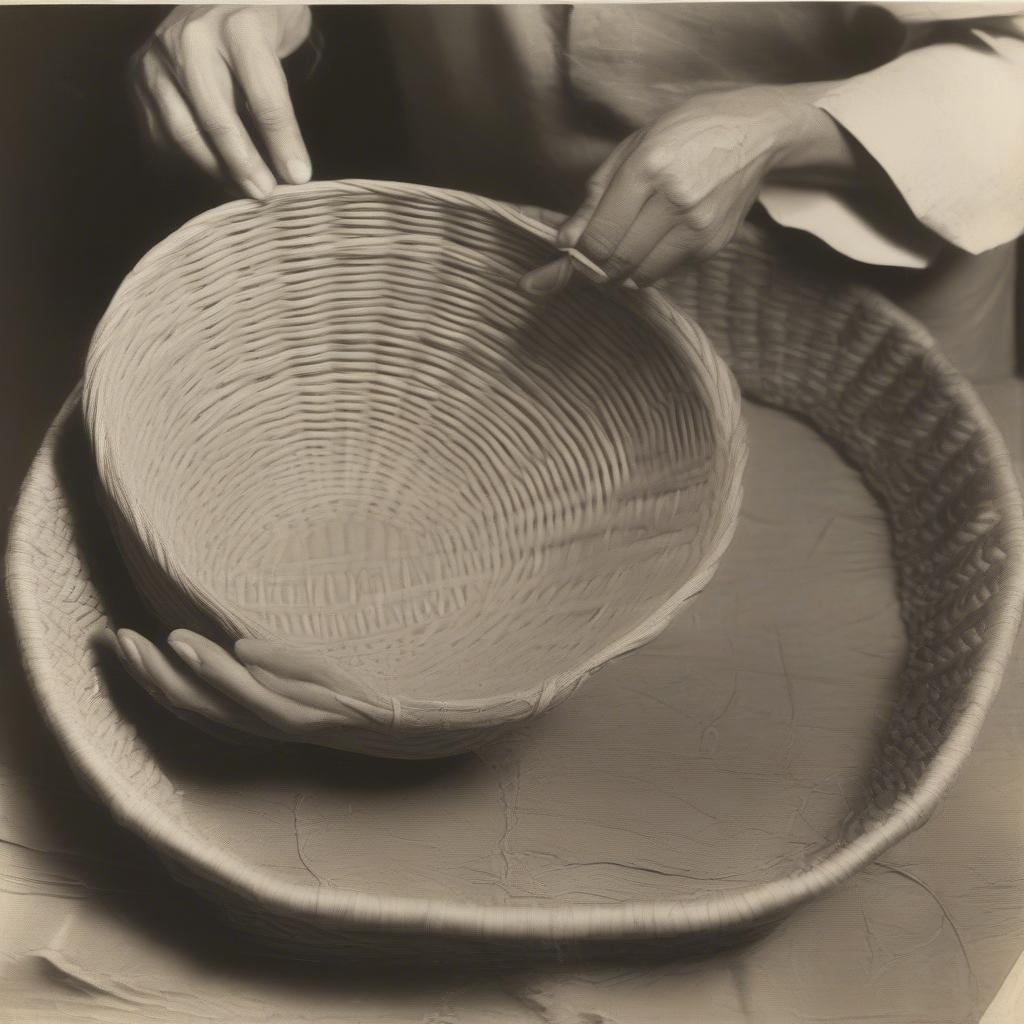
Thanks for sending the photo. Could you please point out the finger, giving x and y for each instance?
(304, 676)
(616, 211)
(550, 278)
(550, 218)
(206, 80)
(234, 680)
(237, 731)
(130, 647)
(554, 276)
(142, 104)
(265, 87)
(570, 232)
(178, 126)
(128, 654)
(681, 245)
(149, 120)
(168, 118)
(180, 690)
(184, 697)
(655, 220)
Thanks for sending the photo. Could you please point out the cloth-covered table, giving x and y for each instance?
(771, 682)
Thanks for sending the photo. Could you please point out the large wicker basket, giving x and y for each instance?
(332, 421)
(867, 377)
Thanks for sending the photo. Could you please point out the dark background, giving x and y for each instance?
(82, 198)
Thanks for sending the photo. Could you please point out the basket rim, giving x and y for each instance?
(637, 920)
(712, 380)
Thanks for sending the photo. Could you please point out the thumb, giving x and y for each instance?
(550, 278)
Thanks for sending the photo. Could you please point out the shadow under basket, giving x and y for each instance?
(332, 421)
(356, 855)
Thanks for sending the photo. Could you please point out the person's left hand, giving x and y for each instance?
(679, 189)
(253, 690)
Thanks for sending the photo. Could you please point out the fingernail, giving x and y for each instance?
(568, 234)
(250, 188)
(186, 652)
(266, 182)
(131, 652)
(534, 285)
(299, 171)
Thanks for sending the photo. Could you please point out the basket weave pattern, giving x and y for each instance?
(334, 422)
(866, 376)
(887, 399)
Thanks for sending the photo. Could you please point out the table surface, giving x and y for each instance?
(94, 931)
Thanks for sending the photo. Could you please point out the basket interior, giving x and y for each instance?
(728, 752)
(341, 425)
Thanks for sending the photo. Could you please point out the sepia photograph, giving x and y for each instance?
(512, 513)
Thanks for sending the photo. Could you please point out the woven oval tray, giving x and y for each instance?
(700, 788)
(332, 422)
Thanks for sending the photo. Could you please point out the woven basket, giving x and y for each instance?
(333, 422)
(863, 373)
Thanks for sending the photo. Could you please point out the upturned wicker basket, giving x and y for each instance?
(333, 422)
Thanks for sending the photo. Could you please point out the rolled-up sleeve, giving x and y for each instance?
(945, 121)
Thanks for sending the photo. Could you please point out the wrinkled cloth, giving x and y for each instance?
(936, 96)
(523, 102)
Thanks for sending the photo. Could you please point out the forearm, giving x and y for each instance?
(816, 150)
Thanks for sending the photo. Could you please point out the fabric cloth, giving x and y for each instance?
(523, 102)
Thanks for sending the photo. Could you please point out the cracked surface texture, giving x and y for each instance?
(94, 937)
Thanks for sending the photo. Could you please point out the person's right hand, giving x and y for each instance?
(210, 84)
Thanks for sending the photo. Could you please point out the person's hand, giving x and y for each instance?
(679, 189)
(258, 691)
(209, 84)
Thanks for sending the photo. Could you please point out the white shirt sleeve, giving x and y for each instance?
(945, 120)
